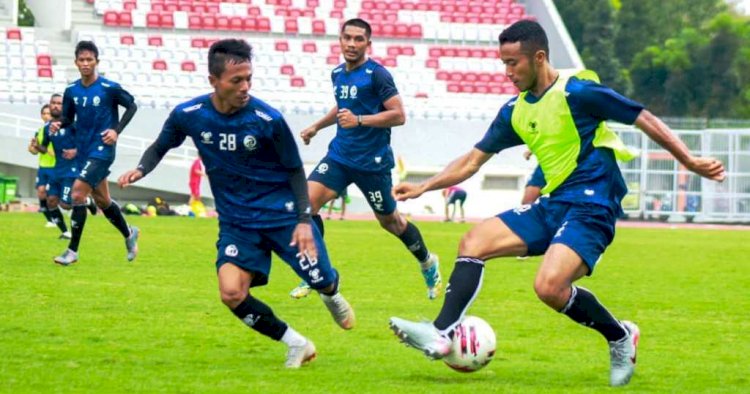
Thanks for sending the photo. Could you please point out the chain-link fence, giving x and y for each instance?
(661, 188)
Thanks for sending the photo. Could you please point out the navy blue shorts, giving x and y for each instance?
(375, 186)
(93, 171)
(43, 175)
(459, 196)
(250, 249)
(586, 228)
(60, 188)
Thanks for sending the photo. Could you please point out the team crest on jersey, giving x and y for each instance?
(289, 205)
(231, 250)
(315, 275)
(207, 137)
(378, 159)
(97, 100)
(250, 143)
(322, 168)
(353, 91)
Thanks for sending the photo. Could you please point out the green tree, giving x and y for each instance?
(25, 17)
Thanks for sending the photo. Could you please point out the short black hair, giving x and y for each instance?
(357, 22)
(225, 51)
(529, 33)
(45, 106)
(87, 46)
(54, 95)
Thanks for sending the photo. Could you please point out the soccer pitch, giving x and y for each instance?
(157, 325)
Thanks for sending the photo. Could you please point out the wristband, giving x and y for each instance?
(359, 120)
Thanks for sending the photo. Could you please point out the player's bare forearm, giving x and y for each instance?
(660, 133)
(457, 171)
(385, 119)
(328, 120)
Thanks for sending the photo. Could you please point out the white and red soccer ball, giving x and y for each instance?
(473, 345)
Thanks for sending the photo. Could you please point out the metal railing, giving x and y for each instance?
(661, 188)
(24, 127)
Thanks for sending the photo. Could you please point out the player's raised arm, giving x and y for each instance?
(661, 134)
(456, 172)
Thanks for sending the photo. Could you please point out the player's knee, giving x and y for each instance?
(550, 291)
(392, 224)
(78, 197)
(472, 244)
(232, 297)
(52, 202)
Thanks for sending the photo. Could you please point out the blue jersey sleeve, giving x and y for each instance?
(537, 178)
(45, 136)
(382, 83)
(602, 102)
(172, 134)
(286, 147)
(122, 96)
(500, 135)
(68, 107)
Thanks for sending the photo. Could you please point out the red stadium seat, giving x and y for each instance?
(126, 19)
(297, 82)
(454, 88)
(236, 23)
(253, 11)
(195, 22)
(281, 46)
(222, 22)
(167, 20)
(44, 73)
(318, 27)
(159, 65)
(287, 69)
(127, 39)
(155, 41)
(309, 47)
(264, 24)
(291, 26)
(187, 65)
(43, 61)
(390, 62)
(393, 51)
(111, 18)
(129, 5)
(332, 60)
(407, 51)
(312, 3)
(198, 42)
(153, 20)
(442, 75)
(250, 23)
(432, 63)
(209, 22)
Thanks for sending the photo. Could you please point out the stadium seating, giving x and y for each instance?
(27, 70)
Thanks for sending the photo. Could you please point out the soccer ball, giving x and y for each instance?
(473, 345)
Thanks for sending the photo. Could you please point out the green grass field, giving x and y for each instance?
(157, 325)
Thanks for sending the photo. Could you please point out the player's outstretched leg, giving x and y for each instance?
(431, 275)
(422, 336)
(131, 243)
(91, 205)
(433, 339)
(113, 213)
(77, 222)
(622, 355)
(341, 311)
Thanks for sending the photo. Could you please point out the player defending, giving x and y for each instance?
(367, 106)
(91, 105)
(256, 175)
(561, 119)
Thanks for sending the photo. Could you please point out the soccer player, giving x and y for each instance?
(46, 164)
(367, 106)
(91, 105)
(343, 196)
(258, 181)
(60, 180)
(455, 196)
(561, 118)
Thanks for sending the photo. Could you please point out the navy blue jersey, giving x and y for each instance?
(62, 140)
(363, 91)
(94, 109)
(248, 156)
(537, 178)
(597, 178)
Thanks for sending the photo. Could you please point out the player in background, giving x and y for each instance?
(197, 171)
(456, 197)
(258, 181)
(60, 182)
(562, 120)
(367, 106)
(91, 104)
(46, 163)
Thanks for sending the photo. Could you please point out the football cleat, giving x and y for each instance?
(131, 243)
(65, 236)
(432, 278)
(91, 205)
(301, 291)
(422, 336)
(50, 225)
(622, 355)
(340, 309)
(67, 258)
(298, 355)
